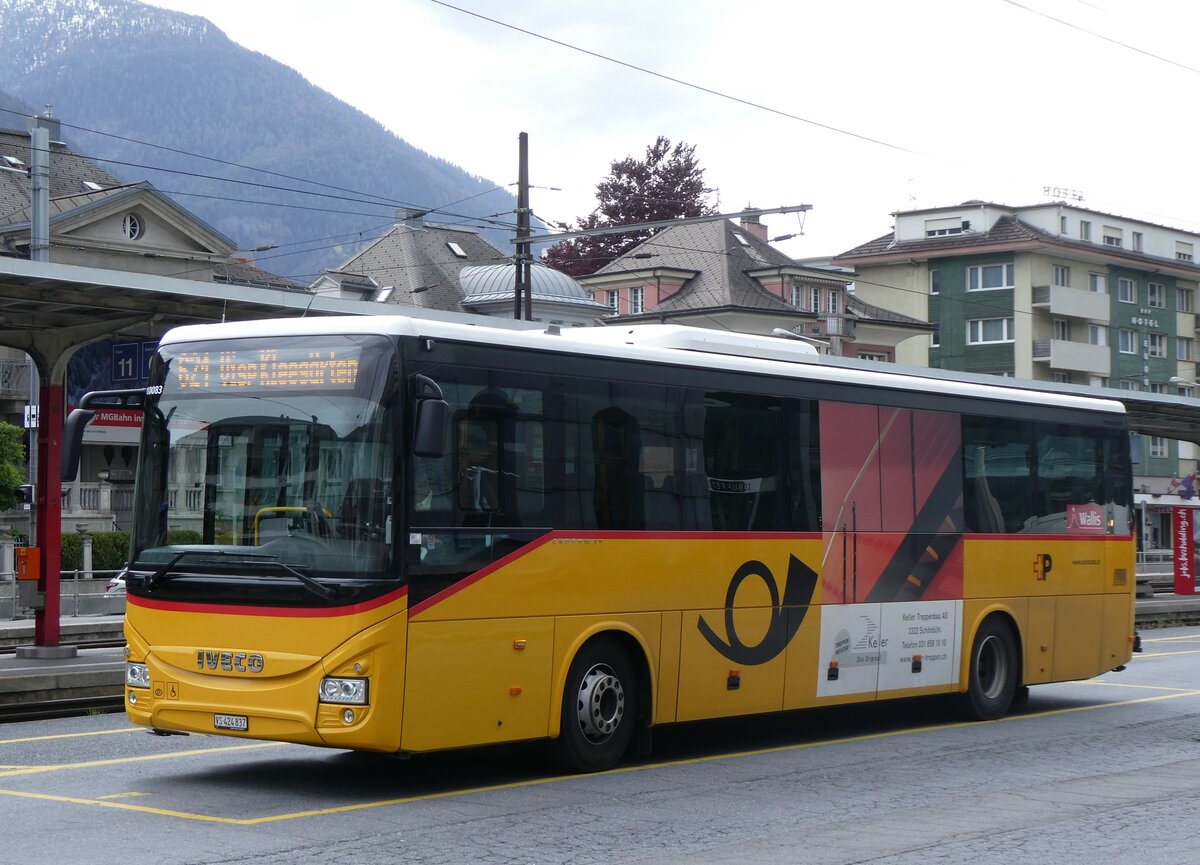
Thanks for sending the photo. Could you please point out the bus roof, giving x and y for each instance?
(676, 345)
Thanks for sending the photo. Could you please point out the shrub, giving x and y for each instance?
(110, 550)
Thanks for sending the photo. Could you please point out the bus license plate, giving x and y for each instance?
(231, 722)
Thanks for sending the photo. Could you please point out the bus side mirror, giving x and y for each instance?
(72, 442)
(431, 410)
(430, 428)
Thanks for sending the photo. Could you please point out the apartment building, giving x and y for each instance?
(1053, 292)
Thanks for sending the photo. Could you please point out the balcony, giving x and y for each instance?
(1061, 354)
(1064, 302)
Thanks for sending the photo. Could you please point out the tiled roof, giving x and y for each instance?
(420, 265)
(68, 171)
(1005, 232)
(62, 204)
(720, 261)
(244, 273)
(870, 312)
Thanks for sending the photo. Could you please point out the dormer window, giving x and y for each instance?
(943, 227)
(90, 186)
(456, 249)
(11, 163)
(131, 226)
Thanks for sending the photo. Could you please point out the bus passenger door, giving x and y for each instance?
(851, 520)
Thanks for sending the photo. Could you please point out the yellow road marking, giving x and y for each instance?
(70, 735)
(447, 794)
(122, 795)
(1167, 654)
(1127, 685)
(116, 761)
(1190, 638)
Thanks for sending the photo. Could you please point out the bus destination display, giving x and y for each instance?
(267, 369)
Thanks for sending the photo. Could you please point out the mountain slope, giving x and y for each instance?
(144, 74)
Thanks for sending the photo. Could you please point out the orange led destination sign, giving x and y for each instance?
(266, 369)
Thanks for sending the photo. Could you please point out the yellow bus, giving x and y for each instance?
(409, 535)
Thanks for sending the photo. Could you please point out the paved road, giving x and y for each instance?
(1106, 771)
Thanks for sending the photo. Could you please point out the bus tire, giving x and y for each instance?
(993, 674)
(599, 708)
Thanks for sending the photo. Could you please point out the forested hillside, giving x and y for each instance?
(123, 76)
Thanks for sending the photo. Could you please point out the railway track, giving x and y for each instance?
(41, 710)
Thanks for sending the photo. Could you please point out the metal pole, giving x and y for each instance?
(523, 308)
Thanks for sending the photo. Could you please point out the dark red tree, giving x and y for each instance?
(667, 184)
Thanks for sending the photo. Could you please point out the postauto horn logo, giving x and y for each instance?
(786, 615)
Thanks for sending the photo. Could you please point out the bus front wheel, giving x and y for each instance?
(598, 711)
(993, 673)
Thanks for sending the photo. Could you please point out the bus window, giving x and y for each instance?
(997, 489)
(1068, 478)
(759, 457)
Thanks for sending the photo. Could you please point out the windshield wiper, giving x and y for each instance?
(163, 574)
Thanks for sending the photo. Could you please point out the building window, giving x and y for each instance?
(1158, 447)
(835, 302)
(636, 296)
(1062, 225)
(1127, 384)
(1156, 295)
(1062, 275)
(1156, 345)
(1127, 341)
(1062, 378)
(1184, 349)
(942, 227)
(1135, 241)
(935, 338)
(1113, 236)
(1183, 299)
(1126, 290)
(797, 295)
(1085, 230)
(1098, 283)
(1062, 329)
(814, 299)
(1183, 251)
(131, 226)
(990, 276)
(614, 302)
(1157, 388)
(1097, 334)
(873, 355)
(1186, 390)
(935, 282)
(986, 331)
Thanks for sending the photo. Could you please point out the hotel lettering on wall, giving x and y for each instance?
(1183, 541)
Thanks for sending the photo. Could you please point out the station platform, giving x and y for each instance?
(99, 672)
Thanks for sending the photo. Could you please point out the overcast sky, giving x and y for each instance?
(892, 106)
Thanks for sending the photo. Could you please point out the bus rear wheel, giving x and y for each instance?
(599, 708)
(993, 673)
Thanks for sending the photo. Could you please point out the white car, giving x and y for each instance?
(116, 585)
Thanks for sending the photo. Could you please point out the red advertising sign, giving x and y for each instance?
(1183, 540)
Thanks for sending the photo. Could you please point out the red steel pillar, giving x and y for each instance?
(48, 514)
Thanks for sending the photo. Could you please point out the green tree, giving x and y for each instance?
(12, 464)
(667, 184)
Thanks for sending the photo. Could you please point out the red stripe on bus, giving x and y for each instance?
(275, 612)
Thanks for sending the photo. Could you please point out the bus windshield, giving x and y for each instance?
(268, 460)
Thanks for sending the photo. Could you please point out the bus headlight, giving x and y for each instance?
(352, 691)
(137, 675)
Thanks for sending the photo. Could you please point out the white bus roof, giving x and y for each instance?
(667, 344)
